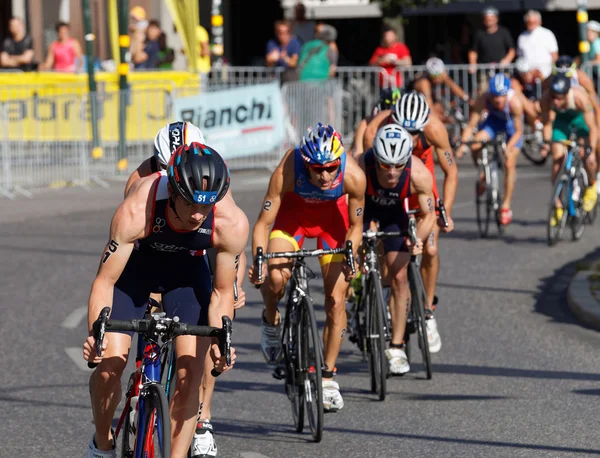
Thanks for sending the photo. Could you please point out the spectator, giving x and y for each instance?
(538, 44)
(146, 57)
(283, 51)
(389, 55)
(203, 49)
(493, 45)
(301, 28)
(318, 59)
(593, 36)
(166, 55)
(64, 52)
(137, 29)
(17, 50)
(461, 47)
(332, 44)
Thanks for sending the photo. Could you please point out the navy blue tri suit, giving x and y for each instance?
(386, 205)
(170, 262)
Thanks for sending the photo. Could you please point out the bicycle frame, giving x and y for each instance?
(572, 163)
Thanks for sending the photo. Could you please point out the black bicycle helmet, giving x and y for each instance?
(198, 173)
(560, 84)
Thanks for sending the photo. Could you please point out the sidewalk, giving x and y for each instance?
(583, 296)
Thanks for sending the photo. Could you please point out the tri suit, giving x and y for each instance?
(386, 205)
(498, 121)
(309, 212)
(167, 261)
(424, 151)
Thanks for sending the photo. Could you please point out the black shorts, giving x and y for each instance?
(391, 219)
(183, 280)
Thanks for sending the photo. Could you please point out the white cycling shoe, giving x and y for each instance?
(203, 444)
(332, 398)
(433, 336)
(270, 341)
(93, 452)
(397, 361)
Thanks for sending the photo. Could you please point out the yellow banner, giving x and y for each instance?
(50, 107)
(186, 17)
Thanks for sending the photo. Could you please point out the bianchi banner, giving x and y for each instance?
(236, 122)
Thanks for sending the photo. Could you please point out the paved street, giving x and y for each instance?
(516, 376)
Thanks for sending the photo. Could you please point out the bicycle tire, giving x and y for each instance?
(554, 233)
(496, 197)
(312, 368)
(155, 424)
(127, 432)
(532, 150)
(578, 221)
(377, 359)
(291, 341)
(418, 299)
(482, 208)
(168, 370)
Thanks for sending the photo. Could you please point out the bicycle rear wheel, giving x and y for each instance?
(578, 220)
(376, 333)
(292, 341)
(154, 426)
(532, 149)
(560, 194)
(419, 299)
(311, 364)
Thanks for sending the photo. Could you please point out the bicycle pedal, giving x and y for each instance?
(279, 373)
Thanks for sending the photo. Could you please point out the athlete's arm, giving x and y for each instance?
(586, 82)
(355, 185)
(455, 88)
(516, 110)
(423, 85)
(373, 127)
(474, 118)
(422, 183)
(357, 145)
(231, 235)
(516, 85)
(583, 102)
(146, 168)
(270, 207)
(441, 144)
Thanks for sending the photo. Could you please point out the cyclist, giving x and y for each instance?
(504, 114)
(317, 191)
(166, 141)
(158, 235)
(429, 134)
(387, 98)
(436, 81)
(392, 176)
(566, 109)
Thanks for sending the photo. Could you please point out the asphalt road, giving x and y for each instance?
(516, 376)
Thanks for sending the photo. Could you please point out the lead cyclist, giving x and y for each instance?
(166, 142)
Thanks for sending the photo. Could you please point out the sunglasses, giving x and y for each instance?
(385, 166)
(329, 168)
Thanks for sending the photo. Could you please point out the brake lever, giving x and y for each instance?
(224, 343)
(443, 213)
(99, 329)
(350, 257)
(258, 263)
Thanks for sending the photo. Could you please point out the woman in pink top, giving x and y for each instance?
(64, 52)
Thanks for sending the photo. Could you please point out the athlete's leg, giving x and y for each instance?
(510, 167)
(430, 264)
(335, 287)
(207, 388)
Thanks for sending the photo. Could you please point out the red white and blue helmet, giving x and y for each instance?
(321, 144)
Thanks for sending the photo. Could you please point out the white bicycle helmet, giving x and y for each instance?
(522, 65)
(393, 145)
(435, 66)
(173, 135)
(411, 111)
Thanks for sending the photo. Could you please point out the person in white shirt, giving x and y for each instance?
(537, 44)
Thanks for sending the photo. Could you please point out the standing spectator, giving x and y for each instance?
(302, 29)
(494, 45)
(64, 52)
(538, 44)
(317, 59)
(283, 51)
(137, 30)
(390, 54)
(17, 50)
(593, 36)
(461, 47)
(146, 57)
(166, 55)
(203, 49)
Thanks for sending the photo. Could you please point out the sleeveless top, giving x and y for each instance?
(164, 238)
(503, 115)
(379, 196)
(309, 192)
(64, 56)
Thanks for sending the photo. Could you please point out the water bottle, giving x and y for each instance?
(576, 191)
(494, 178)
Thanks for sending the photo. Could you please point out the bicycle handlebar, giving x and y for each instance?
(163, 326)
(261, 256)
(481, 142)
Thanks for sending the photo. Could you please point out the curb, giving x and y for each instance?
(581, 301)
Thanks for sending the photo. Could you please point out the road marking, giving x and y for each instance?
(75, 317)
(252, 455)
(76, 354)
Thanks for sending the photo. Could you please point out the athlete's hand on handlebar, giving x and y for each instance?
(440, 222)
(253, 273)
(416, 249)
(241, 300)
(89, 350)
(220, 361)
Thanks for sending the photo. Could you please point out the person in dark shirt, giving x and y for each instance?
(492, 45)
(148, 57)
(17, 50)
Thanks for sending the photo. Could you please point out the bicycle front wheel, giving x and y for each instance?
(559, 194)
(154, 425)
(376, 333)
(292, 341)
(483, 208)
(311, 364)
(419, 299)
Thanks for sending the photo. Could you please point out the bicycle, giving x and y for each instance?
(568, 189)
(146, 408)
(491, 199)
(370, 313)
(302, 362)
